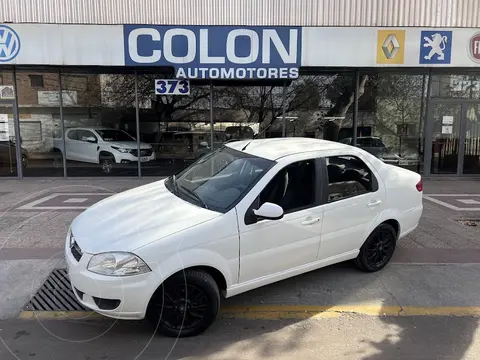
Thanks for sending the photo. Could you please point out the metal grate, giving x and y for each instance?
(55, 294)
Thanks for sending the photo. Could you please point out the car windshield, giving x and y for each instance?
(220, 179)
(114, 135)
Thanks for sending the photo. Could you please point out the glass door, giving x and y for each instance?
(471, 157)
(444, 128)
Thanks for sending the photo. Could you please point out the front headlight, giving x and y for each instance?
(122, 150)
(117, 264)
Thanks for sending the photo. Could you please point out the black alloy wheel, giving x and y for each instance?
(185, 305)
(107, 163)
(378, 249)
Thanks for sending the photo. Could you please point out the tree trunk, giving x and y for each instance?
(332, 128)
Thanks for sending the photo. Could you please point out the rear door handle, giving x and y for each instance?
(310, 221)
(374, 203)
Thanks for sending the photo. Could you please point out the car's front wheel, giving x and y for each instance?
(186, 304)
(378, 249)
(107, 162)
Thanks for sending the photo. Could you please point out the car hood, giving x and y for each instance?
(134, 218)
(129, 144)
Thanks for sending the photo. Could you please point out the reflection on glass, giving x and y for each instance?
(465, 86)
(39, 120)
(471, 161)
(219, 179)
(390, 125)
(177, 127)
(100, 131)
(8, 162)
(445, 138)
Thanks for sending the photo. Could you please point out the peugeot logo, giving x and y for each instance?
(9, 43)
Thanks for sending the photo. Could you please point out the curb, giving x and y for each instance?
(279, 312)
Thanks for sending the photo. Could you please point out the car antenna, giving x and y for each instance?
(247, 145)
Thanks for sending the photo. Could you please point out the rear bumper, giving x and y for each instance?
(410, 220)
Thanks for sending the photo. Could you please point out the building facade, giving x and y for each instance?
(120, 88)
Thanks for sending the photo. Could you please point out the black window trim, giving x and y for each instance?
(320, 195)
(375, 186)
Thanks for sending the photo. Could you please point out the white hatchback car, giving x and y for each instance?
(245, 215)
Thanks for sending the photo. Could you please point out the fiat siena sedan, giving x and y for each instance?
(243, 216)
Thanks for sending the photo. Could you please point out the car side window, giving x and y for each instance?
(72, 135)
(293, 188)
(348, 176)
(83, 135)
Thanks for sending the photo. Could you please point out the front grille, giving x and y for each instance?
(76, 251)
(143, 152)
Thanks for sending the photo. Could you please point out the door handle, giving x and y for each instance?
(374, 203)
(310, 221)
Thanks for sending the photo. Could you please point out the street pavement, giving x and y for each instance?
(424, 305)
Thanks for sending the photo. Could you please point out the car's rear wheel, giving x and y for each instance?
(378, 249)
(186, 304)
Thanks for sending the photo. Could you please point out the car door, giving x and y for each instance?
(269, 247)
(355, 196)
(87, 146)
(71, 145)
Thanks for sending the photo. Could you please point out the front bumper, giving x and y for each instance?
(131, 293)
(126, 158)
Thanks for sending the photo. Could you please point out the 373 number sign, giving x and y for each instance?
(172, 87)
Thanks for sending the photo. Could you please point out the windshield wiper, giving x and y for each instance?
(195, 195)
(174, 183)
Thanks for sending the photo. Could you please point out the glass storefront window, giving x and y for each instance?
(100, 126)
(448, 85)
(392, 129)
(8, 162)
(39, 121)
(175, 127)
(320, 106)
(244, 110)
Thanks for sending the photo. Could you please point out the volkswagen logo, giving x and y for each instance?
(9, 43)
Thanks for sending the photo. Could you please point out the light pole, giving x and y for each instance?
(291, 118)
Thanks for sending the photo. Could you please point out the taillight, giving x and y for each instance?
(419, 186)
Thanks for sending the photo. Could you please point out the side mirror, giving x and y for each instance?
(269, 211)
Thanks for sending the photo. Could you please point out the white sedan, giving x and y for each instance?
(243, 216)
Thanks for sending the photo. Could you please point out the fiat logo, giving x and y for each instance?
(474, 48)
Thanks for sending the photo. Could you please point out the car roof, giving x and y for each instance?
(276, 148)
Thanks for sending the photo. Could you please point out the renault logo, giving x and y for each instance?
(390, 46)
(9, 43)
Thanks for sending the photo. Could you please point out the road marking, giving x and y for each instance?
(468, 201)
(431, 197)
(34, 204)
(75, 200)
(279, 312)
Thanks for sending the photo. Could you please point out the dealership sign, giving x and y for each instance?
(216, 52)
(474, 47)
(236, 52)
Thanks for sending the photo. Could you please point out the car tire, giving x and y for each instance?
(378, 249)
(175, 315)
(107, 162)
(24, 162)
